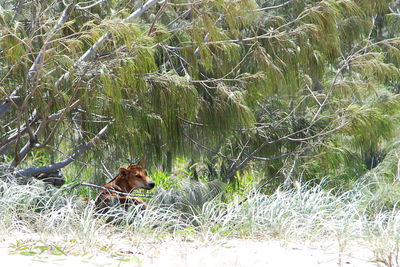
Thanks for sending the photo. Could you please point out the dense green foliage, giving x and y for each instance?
(299, 90)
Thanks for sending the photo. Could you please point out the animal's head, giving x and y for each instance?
(136, 176)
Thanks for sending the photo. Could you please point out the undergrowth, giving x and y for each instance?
(194, 209)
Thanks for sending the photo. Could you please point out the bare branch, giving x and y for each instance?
(296, 152)
(56, 166)
(34, 71)
(183, 15)
(32, 137)
(78, 6)
(245, 161)
(204, 147)
(29, 145)
(6, 143)
(190, 122)
(109, 175)
(162, 9)
(240, 154)
(186, 4)
(109, 190)
(274, 7)
(9, 101)
(17, 11)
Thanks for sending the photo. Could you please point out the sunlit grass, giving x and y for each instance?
(199, 210)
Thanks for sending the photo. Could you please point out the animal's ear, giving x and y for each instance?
(142, 162)
(123, 171)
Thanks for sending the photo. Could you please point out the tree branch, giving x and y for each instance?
(274, 7)
(56, 166)
(109, 190)
(90, 52)
(6, 143)
(40, 57)
(8, 101)
(162, 9)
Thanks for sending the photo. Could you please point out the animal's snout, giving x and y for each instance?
(151, 185)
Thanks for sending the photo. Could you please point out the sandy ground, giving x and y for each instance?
(231, 252)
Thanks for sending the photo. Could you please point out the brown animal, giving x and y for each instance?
(128, 179)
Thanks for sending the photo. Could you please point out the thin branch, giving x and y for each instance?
(240, 154)
(9, 102)
(274, 7)
(190, 122)
(92, 50)
(272, 34)
(183, 15)
(29, 145)
(280, 156)
(162, 9)
(206, 38)
(40, 57)
(252, 155)
(89, 6)
(288, 178)
(41, 127)
(313, 95)
(204, 147)
(34, 73)
(266, 142)
(316, 135)
(17, 11)
(32, 137)
(109, 190)
(186, 4)
(359, 53)
(109, 175)
(244, 162)
(65, 112)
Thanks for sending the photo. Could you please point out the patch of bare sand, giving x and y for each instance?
(230, 252)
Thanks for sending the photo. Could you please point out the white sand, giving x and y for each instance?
(231, 252)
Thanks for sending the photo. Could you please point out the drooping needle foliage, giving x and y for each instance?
(297, 89)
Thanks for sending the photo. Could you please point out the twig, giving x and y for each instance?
(183, 15)
(313, 95)
(162, 9)
(186, 4)
(9, 100)
(190, 122)
(240, 154)
(274, 7)
(108, 190)
(89, 6)
(204, 147)
(106, 170)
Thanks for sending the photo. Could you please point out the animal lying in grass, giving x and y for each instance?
(127, 180)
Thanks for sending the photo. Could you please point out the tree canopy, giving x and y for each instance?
(298, 89)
